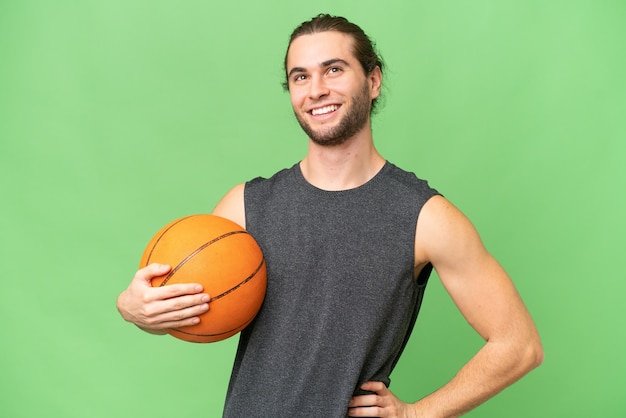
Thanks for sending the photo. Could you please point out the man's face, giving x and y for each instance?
(330, 93)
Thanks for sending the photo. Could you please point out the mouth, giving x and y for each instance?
(325, 110)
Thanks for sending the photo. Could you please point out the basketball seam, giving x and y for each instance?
(193, 254)
(244, 281)
(162, 235)
(242, 326)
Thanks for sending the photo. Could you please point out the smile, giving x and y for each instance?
(324, 110)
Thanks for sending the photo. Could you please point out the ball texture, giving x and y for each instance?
(221, 256)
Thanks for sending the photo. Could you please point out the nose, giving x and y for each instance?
(317, 88)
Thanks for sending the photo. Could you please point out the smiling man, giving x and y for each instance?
(350, 241)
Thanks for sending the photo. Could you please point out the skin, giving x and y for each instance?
(323, 72)
(356, 113)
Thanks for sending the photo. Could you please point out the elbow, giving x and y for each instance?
(525, 353)
(538, 355)
(533, 354)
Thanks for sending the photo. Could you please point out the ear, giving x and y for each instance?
(375, 79)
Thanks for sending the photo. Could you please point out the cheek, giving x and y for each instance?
(297, 98)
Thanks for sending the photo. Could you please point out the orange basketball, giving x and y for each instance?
(225, 259)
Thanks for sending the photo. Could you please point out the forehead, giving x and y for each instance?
(311, 50)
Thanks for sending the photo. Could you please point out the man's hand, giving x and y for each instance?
(381, 404)
(155, 309)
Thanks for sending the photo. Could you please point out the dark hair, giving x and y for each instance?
(364, 48)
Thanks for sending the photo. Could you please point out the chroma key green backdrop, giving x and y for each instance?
(119, 116)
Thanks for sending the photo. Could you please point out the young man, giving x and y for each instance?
(350, 241)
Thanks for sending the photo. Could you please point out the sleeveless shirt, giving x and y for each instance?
(341, 296)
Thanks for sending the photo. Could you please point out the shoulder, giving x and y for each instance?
(444, 234)
(268, 182)
(408, 180)
(260, 190)
(408, 191)
(231, 206)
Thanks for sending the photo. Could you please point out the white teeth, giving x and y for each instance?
(324, 110)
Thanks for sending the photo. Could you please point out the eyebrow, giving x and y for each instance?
(326, 63)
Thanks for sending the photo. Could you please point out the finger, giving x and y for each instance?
(182, 318)
(363, 400)
(374, 386)
(173, 292)
(177, 290)
(151, 271)
(187, 301)
(146, 274)
(174, 308)
(372, 411)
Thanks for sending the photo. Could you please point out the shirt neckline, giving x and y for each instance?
(303, 181)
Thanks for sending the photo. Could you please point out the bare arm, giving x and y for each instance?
(488, 300)
(232, 206)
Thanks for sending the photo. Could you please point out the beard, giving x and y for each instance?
(354, 120)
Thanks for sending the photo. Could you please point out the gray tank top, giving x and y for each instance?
(341, 297)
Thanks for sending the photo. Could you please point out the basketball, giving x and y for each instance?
(221, 256)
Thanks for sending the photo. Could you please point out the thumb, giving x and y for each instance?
(151, 271)
(374, 386)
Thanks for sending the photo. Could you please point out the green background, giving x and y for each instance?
(119, 116)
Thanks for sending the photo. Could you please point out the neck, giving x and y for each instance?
(344, 166)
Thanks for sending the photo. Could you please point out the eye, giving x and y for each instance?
(334, 70)
(299, 77)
